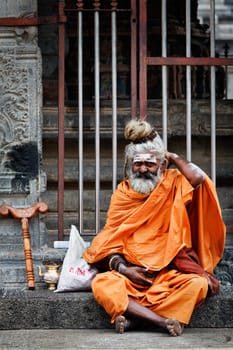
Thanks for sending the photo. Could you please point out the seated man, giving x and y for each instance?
(163, 237)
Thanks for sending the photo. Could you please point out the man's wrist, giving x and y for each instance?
(115, 260)
(122, 268)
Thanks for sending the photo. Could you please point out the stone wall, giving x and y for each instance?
(21, 178)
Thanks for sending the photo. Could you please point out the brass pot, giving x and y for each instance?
(50, 276)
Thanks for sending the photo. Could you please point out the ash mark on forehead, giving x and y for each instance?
(145, 157)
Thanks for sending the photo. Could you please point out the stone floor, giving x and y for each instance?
(107, 339)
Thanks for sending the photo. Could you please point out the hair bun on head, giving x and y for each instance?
(139, 131)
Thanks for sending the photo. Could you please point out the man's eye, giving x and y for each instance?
(138, 163)
(147, 164)
(150, 164)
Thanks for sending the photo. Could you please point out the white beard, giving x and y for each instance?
(142, 185)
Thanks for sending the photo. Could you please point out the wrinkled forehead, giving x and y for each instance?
(145, 157)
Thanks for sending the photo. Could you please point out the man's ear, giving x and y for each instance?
(164, 165)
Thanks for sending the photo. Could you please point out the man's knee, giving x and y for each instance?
(200, 283)
(107, 283)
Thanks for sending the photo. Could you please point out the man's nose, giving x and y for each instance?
(143, 168)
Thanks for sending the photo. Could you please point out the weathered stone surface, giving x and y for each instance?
(201, 120)
(21, 177)
(23, 8)
(45, 309)
(216, 311)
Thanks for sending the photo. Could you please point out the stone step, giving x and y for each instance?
(72, 219)
(201, 121)
(41, 308)
(13, 267)
(14, 276)
(71, 171)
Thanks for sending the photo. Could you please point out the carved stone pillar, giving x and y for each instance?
(21, 177)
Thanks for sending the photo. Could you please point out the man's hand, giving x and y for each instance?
(168, 155)
(191, 171)
(213, 284)
(136, 274)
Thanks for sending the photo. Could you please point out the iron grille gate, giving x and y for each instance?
(111, 9)
(138, 15)
(186, 61)
(139, 61)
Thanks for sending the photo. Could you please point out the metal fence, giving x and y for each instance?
(140, 63)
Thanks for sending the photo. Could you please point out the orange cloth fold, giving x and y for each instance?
(149, 230)
(172, 294)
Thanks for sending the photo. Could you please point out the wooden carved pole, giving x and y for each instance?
(24, 214)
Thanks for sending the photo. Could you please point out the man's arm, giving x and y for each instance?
(191, 171)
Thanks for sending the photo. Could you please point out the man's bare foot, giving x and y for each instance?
(174, 327)
(120, 324)
(123, 324)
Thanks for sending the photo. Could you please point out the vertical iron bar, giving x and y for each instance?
(143, 54)
(114, 95)
(133, 59)
(188, 83)
(61, 96)
(213, 93)
(80, 115)
(164, 70)
(97, 116)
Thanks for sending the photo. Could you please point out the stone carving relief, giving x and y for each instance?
(224, 270)
(26, 36)
(15, 144)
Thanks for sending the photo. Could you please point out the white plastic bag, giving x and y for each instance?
(76, 273)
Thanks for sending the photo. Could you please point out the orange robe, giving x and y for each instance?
(149, 230)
